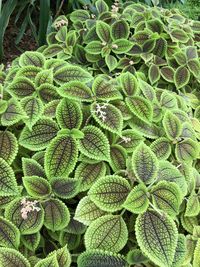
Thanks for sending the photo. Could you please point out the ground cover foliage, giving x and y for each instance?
(99, 143)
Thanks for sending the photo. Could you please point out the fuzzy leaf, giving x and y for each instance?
(161, 148)
(137, 200)
(147, 90)
(167, 197)
(63, 257)
(130, 139)
(31, 241)
(103, 31)
(109, 192)
(172, 125)
(187, 150)
(95, 144)
(12, 258)
(94, 47)
(140, 107)
(56, 215)
(30, 58)
(52, 50)
(167, 73)
(29, 72)
(168, 100)
(31, 167)
(61, 156)
(9, 234)
(71, 73)
(89, 173)
(181, 77)
(129, 83)
(79, 15)
(121, 46)
(145, 163)
(33, 108)
(44, 76)
(111, 62)
(179, 35)
(47, 92)
(192, 206)
(65, 187)
(108, 232)
(180, 252)
(118, 158)
(160, 47)
(99, 258)
(69, 114)
(36, 186)
(108, 116)
(21, 87)
(50, 261)
(157, 237)
(101, 6)
(191, 52)
(8, 146)
(32, 224)
(154, 74)
(40, 136)
(87, 211)
(196, 259)
(119, 30)
(8, 184)
(76, 90)
(194, 67)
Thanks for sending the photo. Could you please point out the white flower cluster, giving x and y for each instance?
(28, 206)
(100, 111)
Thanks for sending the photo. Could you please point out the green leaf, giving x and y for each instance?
(161, 148)
(108, 116)
(167, 196)
(118, 157)
(30, 225)
(65, 187)
(13, 114)
(8, 146)
(111, 62)
(3, 106)
(192, 206)
(89, 173)
(47, 92)
(108, 232)
(141, 107)
(109, 192)
(56, 215)
(33, 108)
(95, 144)
(196, 259)
(194, 67)
(119, 30)
(154, 74)
(44, 76)
(50, 261)
(29, 72)
(31, 58)
(71, 73)
(101, 6)
(50, 108)
(21, 87)
(179, 35)
(61, 156)
(75, 227)
(167, 73)
(189, 223)
(31, 167)
(181, 77)
(87, 211)
(137, 200)
(69, 114)
(52, 50)
(31, 241)
(168, 100)
(94, 47)
(172, 125)
(12, 258)
(8, 184)
(145, 164)
(147, 90)
(157, 237)
(129, 83)
(187, 150)
(63, 257)
(79, 15)
(191, 52)
(9, 234)
(36, 186)
(100, 258)
(76, 90)
(160, 47)
(40, 136)
(103, 31)
(121, 46)
(180, 252)
(105, 90)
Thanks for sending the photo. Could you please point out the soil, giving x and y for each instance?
(11, 50)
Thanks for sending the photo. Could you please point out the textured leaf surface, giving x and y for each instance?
(9, 234)
(12, 258)
(65, 187)
(129, 83)
(157, 237)
(108, 232)
(145, 163)
(50, 261)
(30, 58)
(94, 145)
(118, 157)
(31, 241)
(109, 192)
(137, 201)
(161, 148)
(8, 146)
(187, 150)
(103, 31)
(21, 87)
(181, 77)
(31, 167)
(172, 125)
(180, 252)
(37, 186)
(119, 30)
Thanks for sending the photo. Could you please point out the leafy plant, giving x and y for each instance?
(99, 143)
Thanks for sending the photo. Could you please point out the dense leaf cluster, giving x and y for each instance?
(99, 143)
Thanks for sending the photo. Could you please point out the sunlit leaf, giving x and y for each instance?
(30, 58)
(187, 150)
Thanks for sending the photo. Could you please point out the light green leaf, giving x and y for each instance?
(31, 241)
(52, 50)
(111, 62)
(12, 258)
(94, 47)
(65, 187)
(180, 252)
(118, 157)
(194, 67)
(129, 83)
(181, 77)
(179, 35)
(101, 6)
(31, 58)
(103, 31)
(187, 150)
(172, 125)
(47, 92)
(50, 261)
(167, 73)
(44, 76)
(121, 46)
(196, 259)
(168, 100)
(36, 186)
(154, 74)
(31, 167)
(21, 87)
(109, 192)
(157, 237)
(192, 206)
(119, 30)
(108, 232)
(8, 146)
